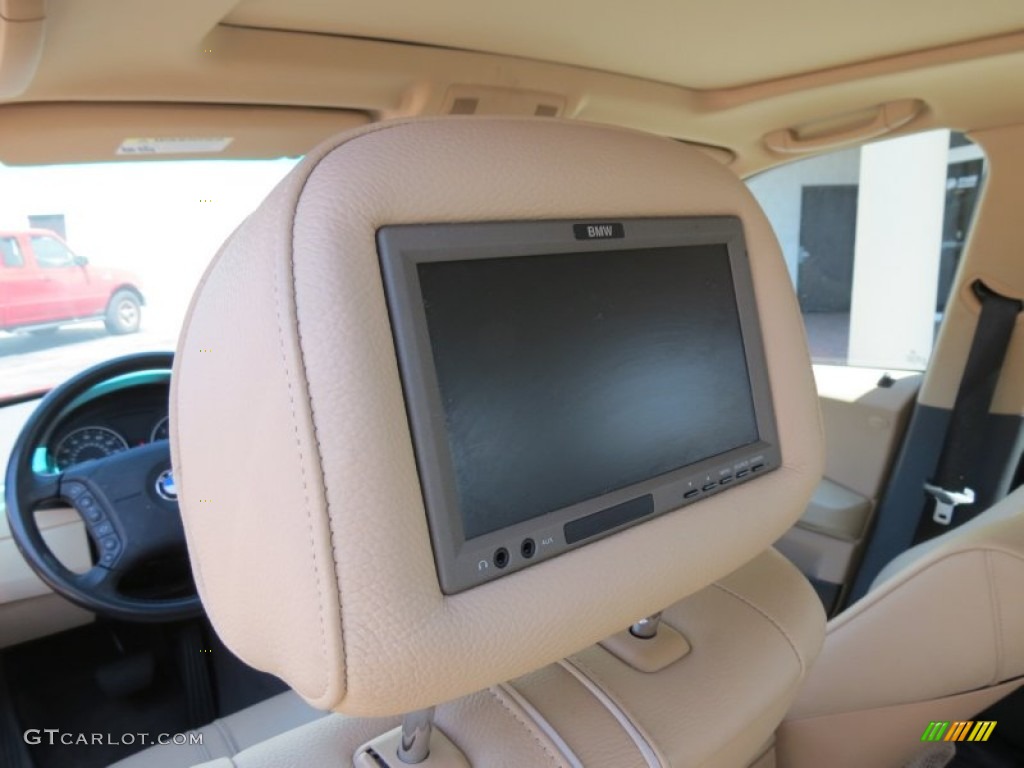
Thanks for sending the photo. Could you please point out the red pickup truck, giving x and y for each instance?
(44, 284)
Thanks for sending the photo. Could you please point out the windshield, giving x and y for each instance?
(100, 260)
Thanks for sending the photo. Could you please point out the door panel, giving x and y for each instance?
(27, 292)
(66, 285)
(865, 417)
(823, 544)
(864, 423)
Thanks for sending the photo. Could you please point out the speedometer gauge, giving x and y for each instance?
(161, 431)
(87, 443)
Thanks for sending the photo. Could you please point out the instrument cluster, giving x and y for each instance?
(109, 423)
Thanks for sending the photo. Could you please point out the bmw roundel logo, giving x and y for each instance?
(165, 487)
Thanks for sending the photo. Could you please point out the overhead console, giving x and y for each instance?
(568, 379)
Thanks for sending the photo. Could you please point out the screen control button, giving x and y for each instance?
(725, 480)
(757, 468)
(743, 473)
(709, 486)
(691, 493)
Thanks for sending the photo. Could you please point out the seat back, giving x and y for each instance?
(938, 637)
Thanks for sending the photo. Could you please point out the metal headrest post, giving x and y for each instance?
(416, 729)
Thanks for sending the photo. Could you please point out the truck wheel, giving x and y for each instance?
(124, 313)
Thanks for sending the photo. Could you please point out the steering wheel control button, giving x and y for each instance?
(104, 529)
(72, 490)
(110, 545)
(90, 510)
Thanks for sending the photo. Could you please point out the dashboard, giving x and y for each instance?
(109, 419)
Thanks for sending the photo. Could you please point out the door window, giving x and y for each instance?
(10, 253)
(872, 237)
(51, 252)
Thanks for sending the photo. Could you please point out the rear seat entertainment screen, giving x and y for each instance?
(565, 380)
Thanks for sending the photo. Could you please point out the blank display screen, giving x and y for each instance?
(565, 377)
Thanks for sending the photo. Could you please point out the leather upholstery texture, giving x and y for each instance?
(893, 733)
(297, 480)
(937, 638)
(943, 619)
(753, 634)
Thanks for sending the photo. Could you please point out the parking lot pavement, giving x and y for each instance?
(30, 363)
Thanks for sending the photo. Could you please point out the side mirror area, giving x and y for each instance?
(81, 261)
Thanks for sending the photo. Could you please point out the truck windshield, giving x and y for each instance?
(99, 260)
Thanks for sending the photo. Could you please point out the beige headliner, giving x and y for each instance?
(966, 62)
(693, 43)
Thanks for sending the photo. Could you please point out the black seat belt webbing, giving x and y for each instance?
(965, 437)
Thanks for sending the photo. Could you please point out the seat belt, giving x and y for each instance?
(965, 436)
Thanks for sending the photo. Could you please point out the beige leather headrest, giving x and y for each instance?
(293, 455)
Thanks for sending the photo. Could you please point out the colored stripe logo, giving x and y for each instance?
(960, 730)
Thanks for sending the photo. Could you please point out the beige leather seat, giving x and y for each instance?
(887, 673)
(552, 717)
(937, 638)
(322, 572)
(940, 636)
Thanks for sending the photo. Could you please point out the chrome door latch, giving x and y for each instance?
(947, 501)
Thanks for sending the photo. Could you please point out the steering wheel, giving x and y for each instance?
(126, 500)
